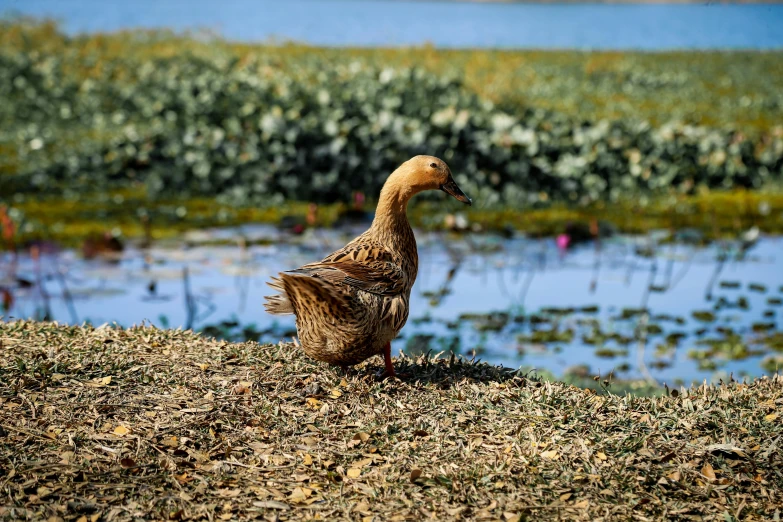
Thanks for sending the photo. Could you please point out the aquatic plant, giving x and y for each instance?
(261, 127)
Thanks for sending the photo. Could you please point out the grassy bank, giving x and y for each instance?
(143, 423)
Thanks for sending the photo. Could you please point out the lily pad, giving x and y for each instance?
(704, 316)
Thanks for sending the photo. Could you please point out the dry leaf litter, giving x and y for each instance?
(110, 424)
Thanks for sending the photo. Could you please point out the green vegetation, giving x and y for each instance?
(265, 124)
(152, 424)
(70, 219)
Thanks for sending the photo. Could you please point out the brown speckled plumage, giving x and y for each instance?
(350, 305)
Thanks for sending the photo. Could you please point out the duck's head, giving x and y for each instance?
(422, 173)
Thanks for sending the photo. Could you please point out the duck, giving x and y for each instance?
(351, 304)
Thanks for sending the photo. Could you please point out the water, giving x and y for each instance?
(444, 24)
(461, 280)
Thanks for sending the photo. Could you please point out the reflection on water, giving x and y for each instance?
(638, 306)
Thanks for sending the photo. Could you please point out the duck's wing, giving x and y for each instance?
(366, 266)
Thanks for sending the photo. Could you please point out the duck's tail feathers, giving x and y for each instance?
(278, 304)
(315, 297)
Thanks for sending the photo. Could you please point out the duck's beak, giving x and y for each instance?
(451, 188)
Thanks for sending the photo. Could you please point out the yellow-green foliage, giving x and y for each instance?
(715, 214)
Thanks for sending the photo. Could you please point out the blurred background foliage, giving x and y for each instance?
(191, 116)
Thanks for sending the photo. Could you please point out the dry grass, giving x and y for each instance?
(111, 424)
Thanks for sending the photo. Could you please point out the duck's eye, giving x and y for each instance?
(434, 165)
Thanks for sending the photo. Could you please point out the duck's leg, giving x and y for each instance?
(389, 372)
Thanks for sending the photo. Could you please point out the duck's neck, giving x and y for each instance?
(391, 219)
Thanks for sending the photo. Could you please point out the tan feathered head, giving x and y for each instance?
(422, 173)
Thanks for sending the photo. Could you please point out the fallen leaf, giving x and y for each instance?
(674, 475)
(271, 504)
(361, 507)
(106, 380)
(309, 441)
(362, 436)
(300, 494)
(582, 504)
(361, 463)
(354, 472)
(551, 455)
(771, 417)
(511, 517)
(601, 455)
(726, 448)
(415, 474)
(420, 433)
(313, 403)
(307, 460)
(127, 463)
(708, 471)
(121, 430)
(242, 388)
(565, 496)
(184, 479)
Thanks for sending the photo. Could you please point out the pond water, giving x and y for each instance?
(514, 301)
(445, 24)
